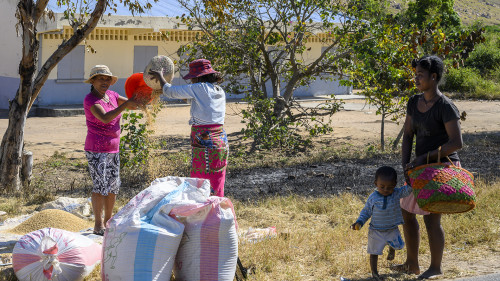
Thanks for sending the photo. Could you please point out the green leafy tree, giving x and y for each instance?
(419, 11)
(261, 47)
(382, 67)
(83, 17)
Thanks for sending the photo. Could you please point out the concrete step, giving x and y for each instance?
(77, 109)
(58, 111)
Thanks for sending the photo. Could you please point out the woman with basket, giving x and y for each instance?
(433, 120)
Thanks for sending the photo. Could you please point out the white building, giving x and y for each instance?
(10, 53)
(124, 43)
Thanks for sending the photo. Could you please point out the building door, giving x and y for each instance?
(72, 66)
(142, 56)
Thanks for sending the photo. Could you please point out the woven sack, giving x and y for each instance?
(443, 188)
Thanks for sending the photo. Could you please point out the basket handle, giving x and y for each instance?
(439, 154)
(439, 158)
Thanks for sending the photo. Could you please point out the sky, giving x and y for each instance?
(160, 9)
(169, 8)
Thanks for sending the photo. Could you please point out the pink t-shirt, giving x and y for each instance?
(102, 137)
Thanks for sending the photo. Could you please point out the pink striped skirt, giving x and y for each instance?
(210, 151)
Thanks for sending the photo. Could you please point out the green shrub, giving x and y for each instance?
(463, 80)
(135, 143)
(468, 83)
(494, 75)
(485, 58)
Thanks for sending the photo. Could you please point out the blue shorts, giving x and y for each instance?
(378, 239)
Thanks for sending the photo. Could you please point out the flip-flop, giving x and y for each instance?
(100, 232)
(435, 276)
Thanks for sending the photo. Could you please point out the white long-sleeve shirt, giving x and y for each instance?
(208, 104)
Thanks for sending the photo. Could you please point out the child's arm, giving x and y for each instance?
(356, 226)
(405, 190)
(364, 215)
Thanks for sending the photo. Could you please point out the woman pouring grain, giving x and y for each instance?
(103, 110)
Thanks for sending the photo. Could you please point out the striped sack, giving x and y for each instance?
(141, 240)
(54, 254)
(209, 246)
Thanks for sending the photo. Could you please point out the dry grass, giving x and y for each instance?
(315, 242)
(320, 245)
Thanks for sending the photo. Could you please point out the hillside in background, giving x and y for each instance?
(486, 11)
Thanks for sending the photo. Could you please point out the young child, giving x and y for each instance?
(383, 208)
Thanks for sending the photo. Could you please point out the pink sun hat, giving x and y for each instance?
(199, 68)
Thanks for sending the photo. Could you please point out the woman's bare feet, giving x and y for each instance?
(430, 274)
(99, 228)
(405, 268)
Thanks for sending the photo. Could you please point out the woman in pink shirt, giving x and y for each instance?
(103, 110)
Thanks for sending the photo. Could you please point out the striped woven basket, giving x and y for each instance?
(443, 188)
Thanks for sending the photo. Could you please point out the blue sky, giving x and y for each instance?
(160, 9)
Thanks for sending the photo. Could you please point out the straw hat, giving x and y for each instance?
(101, 70)
(199, 68)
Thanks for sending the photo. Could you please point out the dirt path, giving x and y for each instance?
(358, 125)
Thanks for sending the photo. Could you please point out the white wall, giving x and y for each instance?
(10, 53)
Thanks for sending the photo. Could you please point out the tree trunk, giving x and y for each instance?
(382, 128)
(398, 138)
(12, 147)
(279, 106)
(27, 168)
(28, 14)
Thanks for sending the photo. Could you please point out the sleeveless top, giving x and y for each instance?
(102, 137)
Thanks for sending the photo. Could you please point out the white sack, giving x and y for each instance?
(141, 240)
(54, 254)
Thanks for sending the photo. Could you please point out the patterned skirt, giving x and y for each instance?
(104, 170)
(209, 155)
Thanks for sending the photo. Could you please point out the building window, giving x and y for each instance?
(142, 56)
(72, 66)
(333, 51)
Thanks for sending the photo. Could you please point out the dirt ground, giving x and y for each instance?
(357, 125)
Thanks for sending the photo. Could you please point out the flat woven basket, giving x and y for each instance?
(159, 63)
(443, 188)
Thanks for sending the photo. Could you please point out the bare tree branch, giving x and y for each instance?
(66, 47)
(39, 10)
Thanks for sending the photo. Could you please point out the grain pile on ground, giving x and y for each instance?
(52, 218)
